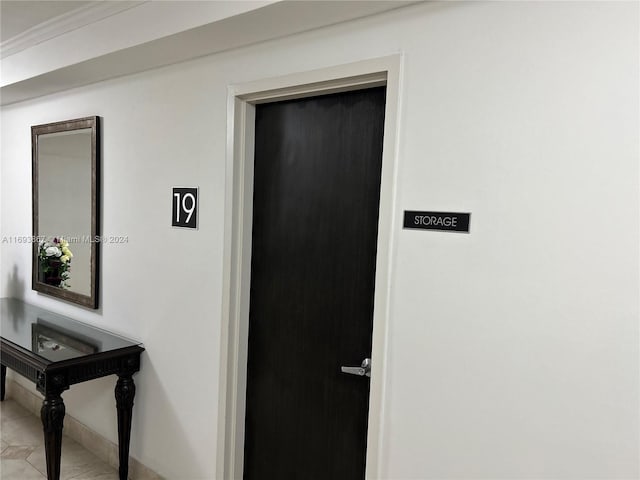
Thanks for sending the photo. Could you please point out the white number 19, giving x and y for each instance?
(188, 210)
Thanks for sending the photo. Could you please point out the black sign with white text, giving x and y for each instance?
(184, 212)
(442, 221)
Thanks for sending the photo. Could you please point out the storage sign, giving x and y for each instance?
(441, 221)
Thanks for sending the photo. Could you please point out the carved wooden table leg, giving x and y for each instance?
(125, 391)
(4, 378)
(52, 414)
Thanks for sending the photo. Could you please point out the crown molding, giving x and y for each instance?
(273, 20)
(81, 16)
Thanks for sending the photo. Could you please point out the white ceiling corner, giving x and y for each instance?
(85, 14)
(204, 28)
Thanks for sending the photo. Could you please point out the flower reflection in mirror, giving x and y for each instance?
(55, 257)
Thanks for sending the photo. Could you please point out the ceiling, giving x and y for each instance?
(18, 16)
(212, 27)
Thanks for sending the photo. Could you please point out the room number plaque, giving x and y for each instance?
(184, 211)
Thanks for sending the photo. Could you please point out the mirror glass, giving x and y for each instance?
(65, 210)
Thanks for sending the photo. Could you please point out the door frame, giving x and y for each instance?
(241, 101)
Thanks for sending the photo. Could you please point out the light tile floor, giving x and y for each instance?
(22, 450)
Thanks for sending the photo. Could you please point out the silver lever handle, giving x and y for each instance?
(362, 370)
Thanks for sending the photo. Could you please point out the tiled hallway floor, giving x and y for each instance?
(22, 450)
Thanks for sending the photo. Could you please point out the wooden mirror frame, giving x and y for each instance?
(92, 123)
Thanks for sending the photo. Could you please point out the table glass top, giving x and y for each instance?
(53, 336)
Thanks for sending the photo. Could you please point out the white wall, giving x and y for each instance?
(513, 351)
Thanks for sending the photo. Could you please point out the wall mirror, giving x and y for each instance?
(65, 209)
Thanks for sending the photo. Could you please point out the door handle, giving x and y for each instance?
(362, 370)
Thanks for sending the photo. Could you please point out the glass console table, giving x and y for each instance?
(55, 352)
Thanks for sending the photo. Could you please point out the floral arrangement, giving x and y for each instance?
(55, 261)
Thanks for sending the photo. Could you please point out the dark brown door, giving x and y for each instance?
(315, 225)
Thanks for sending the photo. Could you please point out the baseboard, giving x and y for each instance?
(104, 449)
